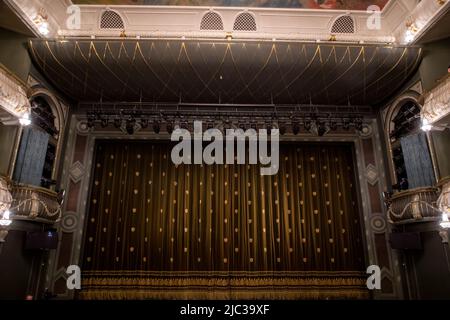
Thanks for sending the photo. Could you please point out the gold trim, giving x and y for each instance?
(208, 294)
(443, 181)
(27, 187)
(250, 285)
(412, 192)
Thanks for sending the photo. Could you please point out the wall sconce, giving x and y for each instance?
(443, 204)
(411, 31)
(25, 119)
(426, 126)
(5, 205)
(41, 21)
(445, 224)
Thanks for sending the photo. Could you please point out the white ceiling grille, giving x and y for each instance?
(211, 21)
(111, 20)
(245, 22)
(344, 24)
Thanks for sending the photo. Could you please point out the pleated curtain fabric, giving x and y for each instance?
(419, 166)
(146, 214)
(31, 156)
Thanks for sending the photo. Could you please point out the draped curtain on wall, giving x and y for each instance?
(151, 222)
(31, 156)
(419, 166)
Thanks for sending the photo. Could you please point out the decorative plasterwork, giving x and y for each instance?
(13, 97)
(372, 174)
(77, 172)
(437, 102)
(443, 201)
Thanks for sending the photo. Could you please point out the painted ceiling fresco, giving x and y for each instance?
(299, 4)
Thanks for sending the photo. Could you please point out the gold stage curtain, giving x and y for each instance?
(148, 215)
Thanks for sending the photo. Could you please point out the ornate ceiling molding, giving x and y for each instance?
(13, 96)
(437, 102)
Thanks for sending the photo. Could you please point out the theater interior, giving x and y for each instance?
(355, 94)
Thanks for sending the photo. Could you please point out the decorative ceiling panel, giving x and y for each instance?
(300, 4)
(225, 72)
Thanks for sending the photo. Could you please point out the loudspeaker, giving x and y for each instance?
(42, 240)
(406, 241)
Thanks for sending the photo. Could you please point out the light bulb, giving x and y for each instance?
(426, 126)
(25, 120)
(5, 220)
(43, 28)
(409, 37)
(445, 224)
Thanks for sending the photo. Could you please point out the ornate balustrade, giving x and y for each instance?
(444, 199)
(33, 203)
(437, 102)
(417, 205)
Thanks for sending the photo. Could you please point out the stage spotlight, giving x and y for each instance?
(346, 125)
(130, 126)
(117, 123)
(282, 129)
(359, 124)
(308, 125)
(322, 129)
(295, 128)
(169, 128)
(333, 125)
(104, 122)
(144, 123)
(156, 127)
(91, 122)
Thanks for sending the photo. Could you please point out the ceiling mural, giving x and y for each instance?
(300, 4)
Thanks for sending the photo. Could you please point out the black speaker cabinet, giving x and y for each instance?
(406, 241)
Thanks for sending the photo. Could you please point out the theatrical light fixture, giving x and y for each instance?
(104, 122)
(282, 129)
(129, 127)
(359, 124)
(117, 123)
(308, 125)
(144, 123)
(91, 122)
(322, 129)
(169, 128)
(295, 128)
(156, 127)
(346, 125)
(333, 125)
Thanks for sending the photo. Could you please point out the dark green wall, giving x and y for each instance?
(14, 53)
(434, 67)
(436, 60)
